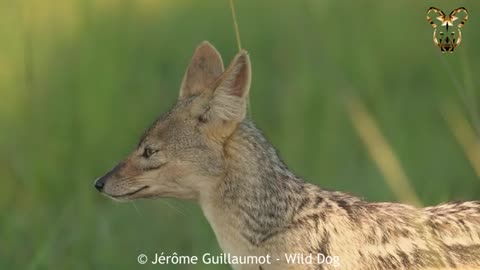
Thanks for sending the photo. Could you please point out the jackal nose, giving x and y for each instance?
(99, 183)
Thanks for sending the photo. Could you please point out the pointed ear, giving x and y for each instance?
(230, 97)
(204, 69)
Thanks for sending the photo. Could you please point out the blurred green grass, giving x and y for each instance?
(80, 80)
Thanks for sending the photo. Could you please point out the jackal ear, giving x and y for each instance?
(204, 69)
(230, 97)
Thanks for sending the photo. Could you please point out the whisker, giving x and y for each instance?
(136, 209)
(136, 179)
(182, 211)
(130, 177)
(173, 207)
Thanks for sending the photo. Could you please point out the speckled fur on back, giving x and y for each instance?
(205, 150)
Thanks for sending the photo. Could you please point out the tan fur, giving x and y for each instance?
(205, 150)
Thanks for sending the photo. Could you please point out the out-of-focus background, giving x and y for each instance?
(354, 94)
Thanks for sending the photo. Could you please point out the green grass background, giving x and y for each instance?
(81, 79)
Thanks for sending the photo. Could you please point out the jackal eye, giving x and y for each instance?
(148, 152)
(202, 118)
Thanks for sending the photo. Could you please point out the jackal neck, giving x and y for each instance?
(258, 188)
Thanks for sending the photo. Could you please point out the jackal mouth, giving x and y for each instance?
(129, 193)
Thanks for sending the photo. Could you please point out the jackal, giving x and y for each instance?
(204, 149)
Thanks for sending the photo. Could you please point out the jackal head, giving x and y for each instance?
(182, 154)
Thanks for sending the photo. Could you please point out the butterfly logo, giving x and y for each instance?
(450, 35)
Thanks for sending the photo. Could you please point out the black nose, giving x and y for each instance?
(99, 183)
